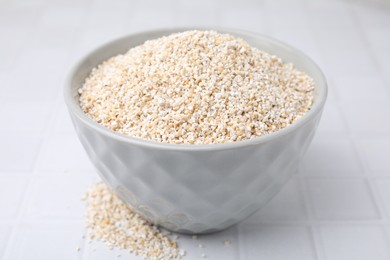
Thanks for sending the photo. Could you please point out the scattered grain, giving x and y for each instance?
(115, 224)
(227, 242)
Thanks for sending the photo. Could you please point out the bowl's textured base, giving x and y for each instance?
(192, 192)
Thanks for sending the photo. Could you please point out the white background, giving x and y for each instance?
(336, 208)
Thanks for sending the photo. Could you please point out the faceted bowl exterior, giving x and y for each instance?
(195, 188)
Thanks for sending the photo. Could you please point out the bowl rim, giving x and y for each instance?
(75, 109)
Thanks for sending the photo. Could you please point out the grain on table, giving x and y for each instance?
(110, 220)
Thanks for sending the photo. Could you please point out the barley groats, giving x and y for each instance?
(110, 220)
(196, 87)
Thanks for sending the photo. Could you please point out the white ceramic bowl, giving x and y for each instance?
(195, 188)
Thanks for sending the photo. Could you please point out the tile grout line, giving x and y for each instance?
(83, 245)
(369, 49)
(351, 137)
(23, 207)
(25, 200)
(310, 221)
(60, 103)
(59, 97)
(313, 225)
(313, 233)
(377, 201)
(374, 192)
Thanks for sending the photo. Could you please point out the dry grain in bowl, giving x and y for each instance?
(196, 87)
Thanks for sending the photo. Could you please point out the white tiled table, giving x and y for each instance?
(336, 208)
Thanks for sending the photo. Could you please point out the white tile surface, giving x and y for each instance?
(354, 242)
(288, 20)
(383, 186)
(33, 120)
(331, 157)
(46, 241)
(276, 242)
(382, 57)
(287, 205)
(17, 24)
(212, 245)
(4, 75)
(54, 17)
(375, 153)
(12, 191)
(62, 122)
(63, 152)
(64, 193)
(329, 40)
(11, 46)
(319, 14)
(361, 88)
(348, 62)
(378, 37)
(5, 231)
(18, 153)
(332, 123)
(366, 120)
(341, 199)
(336, 207)
(372, 16)
(98, 251)
(252, 19)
